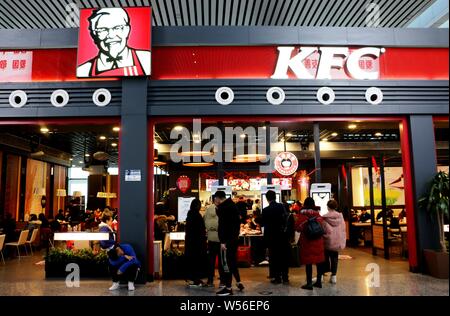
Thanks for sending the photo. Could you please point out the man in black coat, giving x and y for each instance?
(228, 230)
(275, 223)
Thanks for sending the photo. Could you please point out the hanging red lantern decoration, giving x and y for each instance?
(183, 184)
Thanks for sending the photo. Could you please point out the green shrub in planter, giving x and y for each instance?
(91, 265)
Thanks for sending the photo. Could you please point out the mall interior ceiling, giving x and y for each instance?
(47, 14)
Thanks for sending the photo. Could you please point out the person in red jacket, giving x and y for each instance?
(311, 250)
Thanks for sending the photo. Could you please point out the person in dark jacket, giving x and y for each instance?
(44, 220)
(364, 217)
(274, 221)
(312, 251)
(195, 244)
(229, 228)
(242, 208)
(60, 216)
(123, 263)
(105, 227)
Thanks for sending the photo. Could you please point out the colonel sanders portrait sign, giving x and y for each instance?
(114, 42)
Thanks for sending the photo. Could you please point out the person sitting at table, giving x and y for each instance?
(364, 217)
(402, 215)
(60, 216)
(44, 221)
(389, 214)
(123, 263)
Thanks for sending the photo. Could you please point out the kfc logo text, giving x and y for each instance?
(330, 63)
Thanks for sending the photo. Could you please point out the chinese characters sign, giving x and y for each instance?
(114, 42)
(15, 66)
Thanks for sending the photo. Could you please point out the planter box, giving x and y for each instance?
(436, 263)
(87, 270)
(173, 267)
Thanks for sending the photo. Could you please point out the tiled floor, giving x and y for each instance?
(25, 277)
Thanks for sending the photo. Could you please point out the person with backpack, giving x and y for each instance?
(335, 237)
(310, 225)
(275, 223)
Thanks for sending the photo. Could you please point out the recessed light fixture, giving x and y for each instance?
(198, 164)
(113, 144)
(102, 137)
(86, 155)
(195, 153)
(116, 128)
(196, 138)
(378, 134)
(352, 126)
(248, 158)
(70, 159)
(334, 134)
(44, 130)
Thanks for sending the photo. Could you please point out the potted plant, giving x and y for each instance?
(435, 202)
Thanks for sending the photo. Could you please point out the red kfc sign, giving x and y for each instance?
(114, 42)
(183, 184)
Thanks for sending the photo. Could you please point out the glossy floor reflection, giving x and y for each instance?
(25, 277)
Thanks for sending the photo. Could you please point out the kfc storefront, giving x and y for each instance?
(118, 68)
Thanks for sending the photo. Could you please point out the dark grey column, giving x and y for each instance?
(268, 149)
(423, 154)
(133, 156)
(318, 173)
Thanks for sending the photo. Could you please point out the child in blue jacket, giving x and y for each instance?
(123, 264)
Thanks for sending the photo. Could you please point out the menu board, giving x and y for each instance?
(184, 204)
(213, 182)
(252, 184)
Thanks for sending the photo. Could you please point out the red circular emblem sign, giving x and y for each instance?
(183, 184)
(286, 163)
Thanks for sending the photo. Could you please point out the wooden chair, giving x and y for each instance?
(2, 244)
(21, 242)
(32, 239)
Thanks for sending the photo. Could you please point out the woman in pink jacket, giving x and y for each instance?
(335, 237)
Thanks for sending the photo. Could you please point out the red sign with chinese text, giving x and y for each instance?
(15, 66)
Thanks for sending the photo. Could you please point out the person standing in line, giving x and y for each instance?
(195, 244)
(275, 221)
(212, 226)
(229, 227)
(335, 237)
(311, 247)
